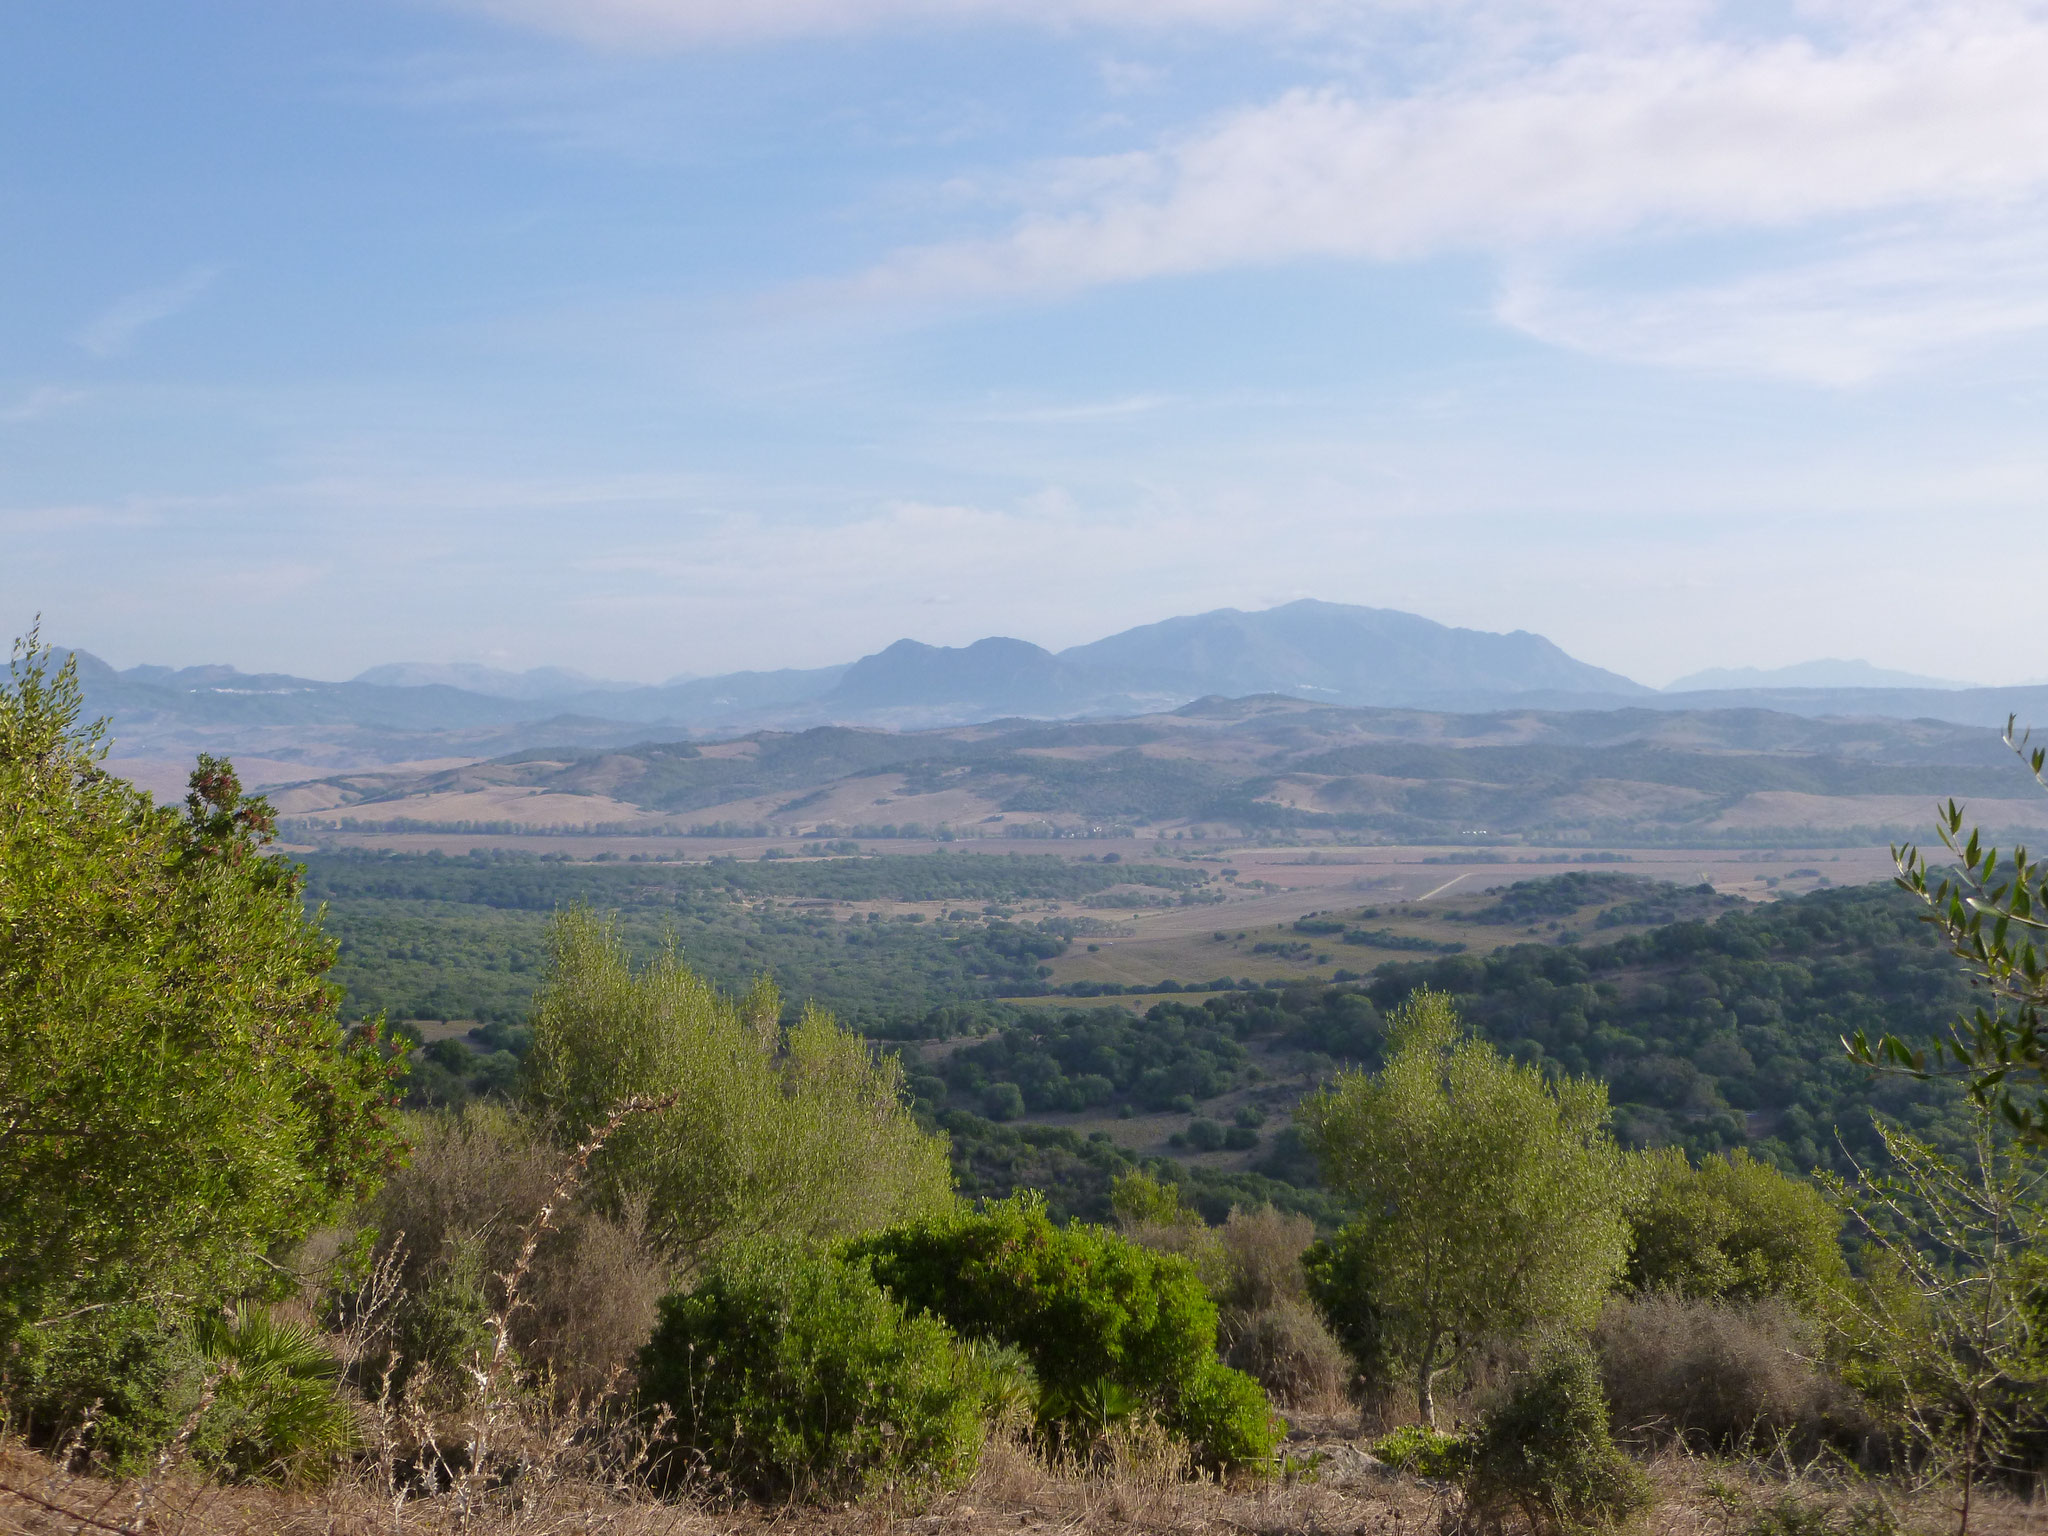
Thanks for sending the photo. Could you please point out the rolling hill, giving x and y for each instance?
(1264, 764)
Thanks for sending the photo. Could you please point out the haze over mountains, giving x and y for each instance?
(283, 727)
(1830, 673)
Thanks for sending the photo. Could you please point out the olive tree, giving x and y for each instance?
(1992, 908)
(798, 1132)
(1947, 1328)
(1491, 1199)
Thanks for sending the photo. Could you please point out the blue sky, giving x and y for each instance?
(661, 336)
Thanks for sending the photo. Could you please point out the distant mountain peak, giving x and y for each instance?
(1342, 653)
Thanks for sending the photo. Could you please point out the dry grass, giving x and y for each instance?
(557, 1486)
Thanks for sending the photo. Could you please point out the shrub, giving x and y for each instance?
(121, 1380)
(126, 1385)
(794, 1374)
(1262, 1251)
(1286, 1349)
(476, 1177)
(1270, 1330)
(1731, 1228)
(1426, 1452)
(1086, 1307)
(438, 1333)
(1546, 1452)
(1205, 1135)
(1225, 1417)
(1715, 1374)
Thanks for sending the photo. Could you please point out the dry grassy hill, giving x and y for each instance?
(1235, 767)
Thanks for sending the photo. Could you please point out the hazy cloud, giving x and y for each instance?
(40, 402)
(113, 328)
(1842, 319)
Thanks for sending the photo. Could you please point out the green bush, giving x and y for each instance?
(793, 1375)
(121, 1380)
(1546, 1452)
(1087, 1307)
(1225, 1417)
(1425, 1452)
(125, 1383)
(1731, 1229)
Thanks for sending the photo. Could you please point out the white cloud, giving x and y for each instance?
(1496, 24)
(1840, 320)
(113, 328)
(1710, 136)
(675, 23)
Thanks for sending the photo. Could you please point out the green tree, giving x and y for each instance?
(1731, 1228)
(176, 1094)
(1491, 1199)
(800, 1132)
(1993, 910)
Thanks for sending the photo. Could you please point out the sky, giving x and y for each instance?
(652, 337)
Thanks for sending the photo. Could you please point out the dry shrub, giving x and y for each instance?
(1262, 1252)
(1722, 1375)
(1288, 1351)
(454, 1218)
(1271, 1331)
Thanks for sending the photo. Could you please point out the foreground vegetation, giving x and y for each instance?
(700, 1253)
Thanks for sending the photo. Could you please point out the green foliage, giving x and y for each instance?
(1546, 1452)
(123, 1378)
(1490, 1198)
(466, 938)
(1994, 914)
(1225, 1416)
(1794, 1514)
(1102, 1057)
(276, 1414)
(1727, 1034)
(1086, 1306)
(793, 1374)
(1529, 901)
(1947, 1328)
(177, 1092)
(1713, 1035)
(1731, 1228)
(1140, 1200)
(1426, 1452)
(1074, 1173)
(801, 1132)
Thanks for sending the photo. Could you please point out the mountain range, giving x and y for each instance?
(284, 728)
